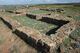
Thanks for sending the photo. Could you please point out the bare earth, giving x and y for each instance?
(10, 43)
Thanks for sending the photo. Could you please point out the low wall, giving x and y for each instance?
(31, 16)
(43, 43)
(11, 23)
(35, 39)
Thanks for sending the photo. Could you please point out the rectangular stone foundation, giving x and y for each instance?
(35, 39)
(43, 43)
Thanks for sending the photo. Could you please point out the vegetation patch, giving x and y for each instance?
(38, 25)
(77, 18)
(75, 34)
(39, 12)
(67, 41)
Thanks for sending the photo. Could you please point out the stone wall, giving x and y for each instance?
(11, 23)
(46, 44)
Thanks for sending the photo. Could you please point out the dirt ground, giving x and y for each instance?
(10, 43)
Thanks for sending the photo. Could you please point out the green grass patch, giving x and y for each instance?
(75, 33)
(39, 11)
(67, 41)
(38, 25)
(77, 17)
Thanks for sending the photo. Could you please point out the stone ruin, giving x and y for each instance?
(53, 10)
(48, 42)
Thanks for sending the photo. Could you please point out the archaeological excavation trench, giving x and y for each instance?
(53, 23)
(35, 30)
(57, 23)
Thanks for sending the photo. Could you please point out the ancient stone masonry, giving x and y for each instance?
(12, 24)
(34, 38)
(78, 24)
(43, 43)
(31, 16)
(55, 16)
(53, 10)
